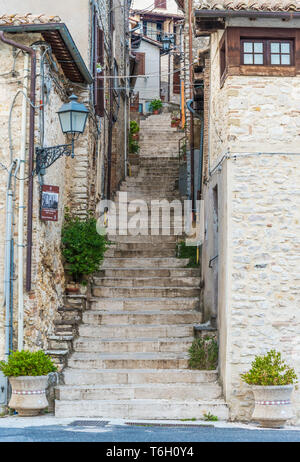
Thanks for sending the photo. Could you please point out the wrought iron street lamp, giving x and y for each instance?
(72, 118)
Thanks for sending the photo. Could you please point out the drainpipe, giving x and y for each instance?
(21, 210)
(7, 264)
(32, 54)
(191, 96)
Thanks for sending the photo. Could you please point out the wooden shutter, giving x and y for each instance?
(99, 72)
(176, 82)
(141, 63)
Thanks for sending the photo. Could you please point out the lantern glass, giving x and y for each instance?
(73, 116)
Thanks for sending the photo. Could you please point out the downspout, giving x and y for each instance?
(21, 210)
(7, 264)
(32, 54)
(191, 96)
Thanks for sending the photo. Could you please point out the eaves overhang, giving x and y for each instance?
(62, 45)
(216, 14)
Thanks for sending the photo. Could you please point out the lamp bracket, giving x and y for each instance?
(45, 157)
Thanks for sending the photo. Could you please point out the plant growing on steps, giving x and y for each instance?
(187, 251)
(134, 146)
(134, 127)
(82, 247)
(203, 354)
(210, 417)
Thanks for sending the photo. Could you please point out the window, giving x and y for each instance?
(259, 52)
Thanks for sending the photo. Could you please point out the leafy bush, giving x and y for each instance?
(270, 369)
(134, 127)
(134, 146)
(27, 363)
(155, 105)
(188, 251)
(82, 247)
(204, 353)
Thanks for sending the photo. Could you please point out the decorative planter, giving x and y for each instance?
(28, 395)
(136, 136)
(156, 111)
(273, 405)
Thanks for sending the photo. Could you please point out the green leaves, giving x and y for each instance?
(204, 354)
(134, 127)
(82, 247)
(270, 370)
(27, 363)
(188, 251)
(155, 104)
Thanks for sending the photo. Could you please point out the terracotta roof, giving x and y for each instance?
(20, 19)
(250, 5)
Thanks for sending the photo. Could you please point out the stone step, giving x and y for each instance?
(137, 376)
(137, 331)
(138, 345)
(139, 239)
(111, 253)
(102, 318)
(138, 195)
(134, 292)
(193, 273)
(141, 409)
(129, 360)
(205, 392)
(129, 246)
(148, 281)
(145, 304)
(145, 263)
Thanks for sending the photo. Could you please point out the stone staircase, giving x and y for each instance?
(130, 358)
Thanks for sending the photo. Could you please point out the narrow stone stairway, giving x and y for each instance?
(130, 360)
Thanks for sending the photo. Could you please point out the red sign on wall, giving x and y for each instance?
(49, 203)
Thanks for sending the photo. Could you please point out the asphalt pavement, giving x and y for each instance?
(51, 429)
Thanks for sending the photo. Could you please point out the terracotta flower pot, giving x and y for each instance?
(73, 288)
(273, 405)
(136, 136)
(28, 395)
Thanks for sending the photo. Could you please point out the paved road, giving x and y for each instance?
(130, 433)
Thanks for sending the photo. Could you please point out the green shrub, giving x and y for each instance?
(134, 146)
(83, 247)
(155, 105)
(210, 417)
(270, 369)
(203, 354)
(134, 127)
(27, 363)
(188, 251)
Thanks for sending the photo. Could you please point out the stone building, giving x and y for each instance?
(250, 185)
(160, 21)
(76, 48)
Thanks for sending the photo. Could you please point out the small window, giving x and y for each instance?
(267, 52)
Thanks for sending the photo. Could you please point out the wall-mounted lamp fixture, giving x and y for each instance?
(72, 118)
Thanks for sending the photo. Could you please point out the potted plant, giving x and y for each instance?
(155, 106)
(271, 380)
(28, 376)
(134, 130)
(83, 250)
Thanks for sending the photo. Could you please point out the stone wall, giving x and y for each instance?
(47, 268)
(252, 155)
